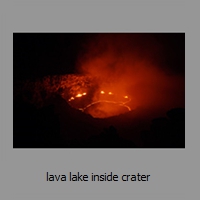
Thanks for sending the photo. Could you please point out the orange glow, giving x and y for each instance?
(127, 69)
(129, 66)
(72, 98)
(79, 95)
(104, 109)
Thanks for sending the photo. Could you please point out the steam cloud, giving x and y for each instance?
(133, 64)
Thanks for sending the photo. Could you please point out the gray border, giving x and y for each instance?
(173, 172)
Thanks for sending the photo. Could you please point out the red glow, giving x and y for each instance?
(102, 107)
(72, 98)
(120, 68)
(126, 64)
(79, 95)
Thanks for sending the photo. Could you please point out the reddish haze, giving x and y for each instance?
(130, 64)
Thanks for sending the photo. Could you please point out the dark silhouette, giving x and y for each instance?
(109, 138)
(34, 128)
(41, 128)
(166, 132)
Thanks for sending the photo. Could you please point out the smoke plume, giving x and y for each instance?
(133, 65)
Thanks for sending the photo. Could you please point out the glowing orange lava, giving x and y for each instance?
(72, 98)
(79, 95)
(102, 108)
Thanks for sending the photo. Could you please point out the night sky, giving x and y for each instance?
(40, 54)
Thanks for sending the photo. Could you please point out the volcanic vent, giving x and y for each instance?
(86, 94)
(82, 92)
(115, 73)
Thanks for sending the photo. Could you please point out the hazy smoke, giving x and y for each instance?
(133, 64)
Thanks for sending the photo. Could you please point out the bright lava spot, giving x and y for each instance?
(108, 105)
(79, 95)
(72, 98)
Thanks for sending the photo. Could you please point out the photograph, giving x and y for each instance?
(99, 90)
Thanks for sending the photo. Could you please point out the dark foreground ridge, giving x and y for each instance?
(57, 125)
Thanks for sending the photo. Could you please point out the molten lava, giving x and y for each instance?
(104, 106)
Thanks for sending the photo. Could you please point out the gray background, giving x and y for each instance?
(173, 172)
